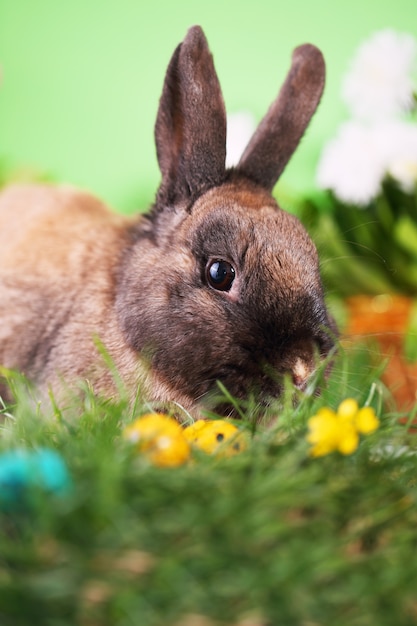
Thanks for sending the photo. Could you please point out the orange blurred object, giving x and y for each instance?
(384, 320)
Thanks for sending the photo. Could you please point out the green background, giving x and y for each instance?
(81, 80)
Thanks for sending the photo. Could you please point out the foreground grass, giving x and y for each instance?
(268, 537)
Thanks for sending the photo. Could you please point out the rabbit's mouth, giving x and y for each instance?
(302, 371)
(235, 392)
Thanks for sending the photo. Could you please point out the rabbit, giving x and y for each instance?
(215, 283)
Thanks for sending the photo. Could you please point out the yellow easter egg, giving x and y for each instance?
(215, 436)
(161, 438)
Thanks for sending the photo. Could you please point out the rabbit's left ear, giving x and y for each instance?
(280, 131)
(190, 130)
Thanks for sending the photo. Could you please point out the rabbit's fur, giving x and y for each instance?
(72, 272)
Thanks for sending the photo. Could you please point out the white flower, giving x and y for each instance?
(351, 165)
(377, 142)
(397, 141)
(379, 83)
(354, 163)
(240, 128)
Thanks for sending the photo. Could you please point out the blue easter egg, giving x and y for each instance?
(22, 470)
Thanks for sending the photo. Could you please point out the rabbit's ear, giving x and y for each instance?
(190, 130)
(280, 131)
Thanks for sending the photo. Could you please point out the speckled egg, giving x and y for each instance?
(216, 437)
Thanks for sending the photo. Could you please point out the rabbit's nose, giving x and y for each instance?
(301, 372)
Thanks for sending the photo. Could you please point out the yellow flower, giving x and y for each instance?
(160, 438)
(215, 436)
(331, 431)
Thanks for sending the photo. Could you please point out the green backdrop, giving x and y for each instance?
(81, 80)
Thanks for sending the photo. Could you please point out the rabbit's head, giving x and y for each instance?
(220, 283)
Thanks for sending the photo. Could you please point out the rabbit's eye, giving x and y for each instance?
(220, 275)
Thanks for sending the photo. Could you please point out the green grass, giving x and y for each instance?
(268, 537)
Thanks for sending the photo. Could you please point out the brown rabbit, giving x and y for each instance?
(215, 283)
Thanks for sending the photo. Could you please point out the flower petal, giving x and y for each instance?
(348, 409)
(349, 441)
(379, 82)
(366, 421)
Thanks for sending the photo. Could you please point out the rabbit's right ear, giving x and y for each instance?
(190, 130)
(280, 131)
